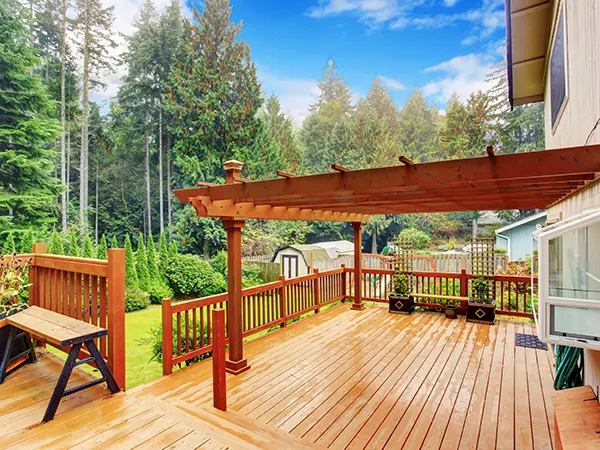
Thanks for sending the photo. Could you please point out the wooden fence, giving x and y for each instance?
(90, 290)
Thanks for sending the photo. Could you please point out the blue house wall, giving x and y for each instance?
(520, 239)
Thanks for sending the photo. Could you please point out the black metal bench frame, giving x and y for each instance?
(14, 336)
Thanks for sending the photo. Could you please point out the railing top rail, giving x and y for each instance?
(85, 266)
(198, 302)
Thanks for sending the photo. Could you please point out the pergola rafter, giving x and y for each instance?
(515, 181)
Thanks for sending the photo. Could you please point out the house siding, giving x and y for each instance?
(520, 239)
(576, 125)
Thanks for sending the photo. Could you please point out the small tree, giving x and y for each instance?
(419, 238)
(73, 245)
(9, 245)
(401, 285)
(141, 264)
(56, 244)
(114, 243)
(27, 242)
(131, 278)
(102, 248)
(151, 254)
(173, 251)
(481, 289)
(88, 248)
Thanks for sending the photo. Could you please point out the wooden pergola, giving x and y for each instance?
(494, 182)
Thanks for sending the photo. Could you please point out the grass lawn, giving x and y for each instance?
(139, 368)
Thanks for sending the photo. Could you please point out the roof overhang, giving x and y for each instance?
(521, 222)
(496, 182)
(528, 25)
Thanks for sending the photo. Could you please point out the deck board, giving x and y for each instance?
(339, 379)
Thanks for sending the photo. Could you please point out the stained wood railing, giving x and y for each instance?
(90, 290)
(186, 326)
(512, 294)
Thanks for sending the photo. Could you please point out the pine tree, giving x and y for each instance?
(163, 254)
(173, 249)
(88, 248)
(27, 242)
(417, 129)
(151, 255)
(73, 245)
(56, 244)
(214, 94)
(93, 23)
(280, 129)
(131, 277)
(27, 185)
(102, 248)
(9, 245)
(333, 90)
(114, 243)
(141, 264)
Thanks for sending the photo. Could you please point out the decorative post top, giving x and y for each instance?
(233, 169)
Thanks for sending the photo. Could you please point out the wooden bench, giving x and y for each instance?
(463, 300)
(576, 419)
(64, 332)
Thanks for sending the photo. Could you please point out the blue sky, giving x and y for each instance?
(439, 46)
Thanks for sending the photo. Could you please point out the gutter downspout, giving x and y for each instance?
(507, 244)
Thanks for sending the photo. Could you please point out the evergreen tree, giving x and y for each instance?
(214, 94)
(88, 248)
(114, 243)
(26, 128)
(141, 264)
(102, 248)
(417, 129)
(73, 245)
(173, 249)
(56, 244)
(94, 26)
(27, 242)
(333, 91)
(281, 132)
(151, 255)
(131, 277)
(9, 245)
(163, 254)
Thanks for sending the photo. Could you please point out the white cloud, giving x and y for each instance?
(450, 3)
(390, 83)
(462, 75)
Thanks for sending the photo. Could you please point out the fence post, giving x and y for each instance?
(282, 299)
(167, 337)
(218, 360)
(343, 283)
(37, 249)
(317, 293)
(116, 314)
(464, 283)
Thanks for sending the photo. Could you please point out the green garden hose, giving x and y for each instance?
(569, 367)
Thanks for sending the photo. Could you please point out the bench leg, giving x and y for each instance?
(104, 370)
(59, 390)
(6, 356)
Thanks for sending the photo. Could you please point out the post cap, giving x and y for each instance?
(232, 164)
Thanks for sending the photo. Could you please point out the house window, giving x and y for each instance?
(558, 70)
(569, 282)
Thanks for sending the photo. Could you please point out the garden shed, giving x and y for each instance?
(516, 237)
(299, 259)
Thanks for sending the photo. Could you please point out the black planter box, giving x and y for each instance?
(401, 304)
(481, 312)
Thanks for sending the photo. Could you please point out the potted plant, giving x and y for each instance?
(481, 307)
(13, 281)
(400, 299)
(451, 311)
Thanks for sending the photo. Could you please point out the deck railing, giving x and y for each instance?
(90, 290)
(187, 329)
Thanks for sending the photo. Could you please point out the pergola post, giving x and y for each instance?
(358, 304)
(236, 363)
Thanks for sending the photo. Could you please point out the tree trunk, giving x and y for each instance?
(147, 170)
(83, 160)
(169, 205)
(63, 163)
(374, 241)
(160, 170)
(97, 204)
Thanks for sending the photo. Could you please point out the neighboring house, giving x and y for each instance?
(299, 259)
(553, 56)
(516, 237)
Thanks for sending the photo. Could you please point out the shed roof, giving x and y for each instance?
(514, 181)
(309, 252)
(521, 222)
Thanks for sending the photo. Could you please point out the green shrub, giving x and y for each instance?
(500, 251)
(190, 275)
(102, 248)
(56, 246)
(159, 290)
(219, 262)
(131, 277)
(151, 257)
(88, 248)
(401, 285)
(73, 245)
(481, 289)
(251, 275)
(419, 239)
(141, 264)
(155, 340)
(27, 242)
(9, 245)
(136, 299)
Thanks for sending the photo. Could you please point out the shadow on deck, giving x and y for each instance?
(340, 379)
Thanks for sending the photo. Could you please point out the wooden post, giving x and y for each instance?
(116, 314)
(218, 360)
(37, 249)
(317, 293)
(236, 363)
(344, 283)
(167, 337)
(283, 300)
(464, 283)
(358, 304)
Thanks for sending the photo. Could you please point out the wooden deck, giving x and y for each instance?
(340, 379)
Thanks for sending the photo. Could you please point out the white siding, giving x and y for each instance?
(302, 267)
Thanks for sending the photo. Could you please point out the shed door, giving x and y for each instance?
(290, 265)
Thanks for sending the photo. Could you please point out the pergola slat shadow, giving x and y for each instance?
(494, 182)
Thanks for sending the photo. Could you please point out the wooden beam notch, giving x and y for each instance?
(490, 151)
(407, 162)
(339, 168)
(285, 174)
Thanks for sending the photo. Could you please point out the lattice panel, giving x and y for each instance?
(404, 256)
(483, 259)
